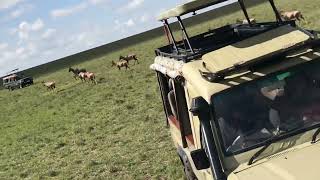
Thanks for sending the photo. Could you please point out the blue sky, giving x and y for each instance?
(35, 32)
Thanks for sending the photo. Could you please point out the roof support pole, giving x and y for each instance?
(166, 31)
(167, 26)
(275, 10)
(185, 33)
(184, 42)
(243, 7)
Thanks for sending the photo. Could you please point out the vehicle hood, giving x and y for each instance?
(300, 164)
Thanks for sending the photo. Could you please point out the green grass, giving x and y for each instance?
(113, 130)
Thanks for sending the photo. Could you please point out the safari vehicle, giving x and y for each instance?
(242, 101)
(13, 81)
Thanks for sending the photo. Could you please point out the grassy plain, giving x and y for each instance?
(113, 130)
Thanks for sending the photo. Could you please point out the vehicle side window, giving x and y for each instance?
(164, 90)
(175, 105)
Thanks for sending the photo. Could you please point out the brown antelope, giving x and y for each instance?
(129, 58)
(245, 21)
(82, 76)
(76, 72)
(51, 85)
(90, 76)
(252, 21)
(120, 64)
(291, 15)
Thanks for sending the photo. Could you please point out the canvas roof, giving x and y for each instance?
(252, 48)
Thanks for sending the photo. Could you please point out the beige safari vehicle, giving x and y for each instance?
(242, 101)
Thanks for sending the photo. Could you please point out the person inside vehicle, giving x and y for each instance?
(288, 102)
(245, 119)
(239, 131)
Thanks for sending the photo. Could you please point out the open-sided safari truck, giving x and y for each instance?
(14, 81)
(242, 101)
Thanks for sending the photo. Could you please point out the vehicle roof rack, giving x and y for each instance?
(189, 7)
(11, 76)
(195, 5)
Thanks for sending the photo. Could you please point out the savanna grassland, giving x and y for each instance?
(112, 130)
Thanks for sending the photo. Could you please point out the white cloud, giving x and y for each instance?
(130, 23)
(144, 18)
(19, 11)
(6, 4)
(81, 37)
(18, 57)
(8, 55)
(96, 2)
(68, 11)
(25, 28)
(122, 27)
(3, 46)
(48, 33)
(76, 8)
(30, 50)
(37, 25)
(16, 13)
(23, 52)
(20, 51)
(134, 4)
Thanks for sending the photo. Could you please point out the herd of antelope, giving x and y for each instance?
(123, 61)
(86, 76)
(83, 74)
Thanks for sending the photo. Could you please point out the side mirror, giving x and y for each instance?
(198, 106)
(200, 159)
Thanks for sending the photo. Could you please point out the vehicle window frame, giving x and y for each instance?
(163, 88)
(285, 136)
(182, 108)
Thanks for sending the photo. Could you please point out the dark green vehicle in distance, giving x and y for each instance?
(14, 81)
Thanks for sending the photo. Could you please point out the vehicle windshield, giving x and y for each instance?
(279, 103)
